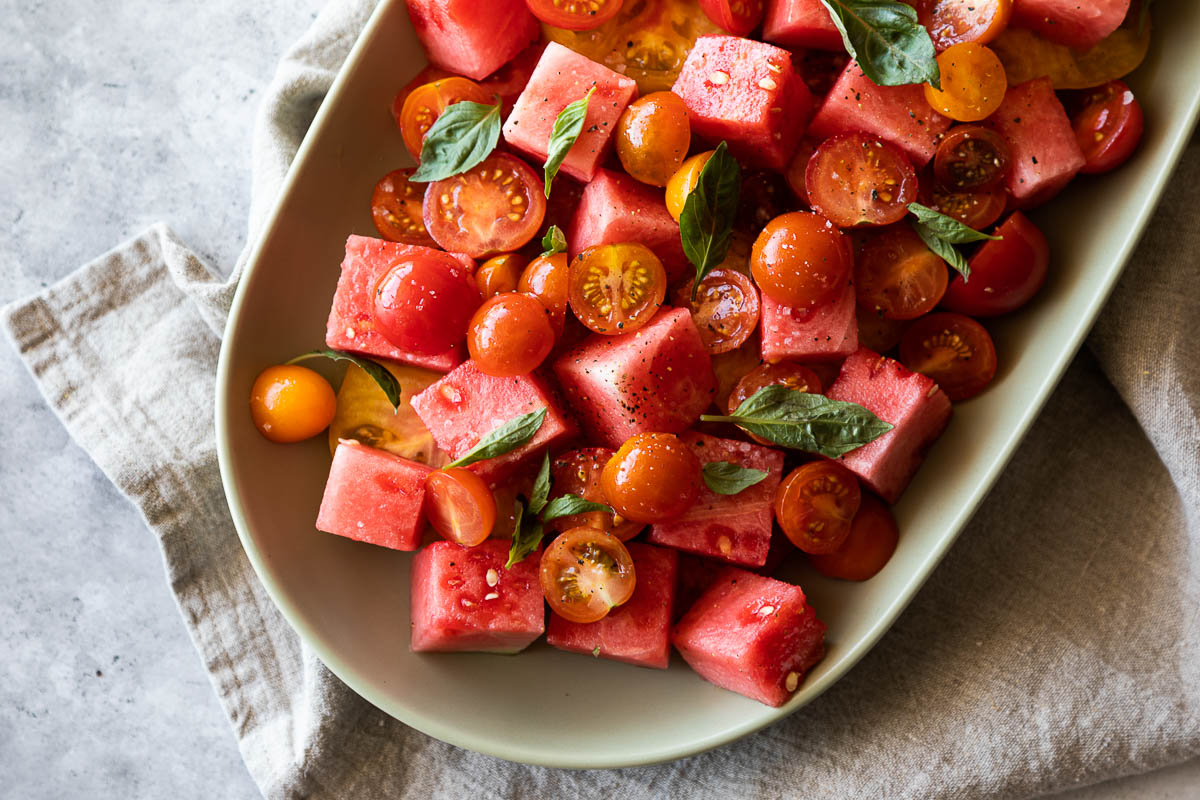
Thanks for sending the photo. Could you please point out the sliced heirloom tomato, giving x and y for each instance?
(546, 279)
(815, 505)
(290, 403)
(868, 548)
(653, 136)
(854, 179)
(973, 83)
(459, 506)
(725, 309)
(510, 335)
(801, 260)
(396, 209)
(955, 351)
(427, 102)
(494, 207)
(653, 477)
(898, 277)
(586, 573)
(975, 209)
(737, 17)
(616, 288)
(972, 157)
(499, 274)
(1005, 273)
(417, 289)
(575, 15)
(952, 22)
(1108, 127)
(578, 473)
(365, 415)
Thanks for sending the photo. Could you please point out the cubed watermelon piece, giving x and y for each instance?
(658, 378)
(735, 528)
(1080, 25)
(748, 94)
(467, 404)
(463, 599)
(696, 574)
(374, 496)
(616, 208)
(638, 632)
(472, 38)
(911, 402)
(1045, 152)
(801, 23)
(896, 114)
(561, 77)
(827, 333)
(350, 326)
(753, 635)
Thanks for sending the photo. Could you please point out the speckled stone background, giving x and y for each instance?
(115, 114)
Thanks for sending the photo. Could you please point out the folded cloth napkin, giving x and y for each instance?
(1057, 645)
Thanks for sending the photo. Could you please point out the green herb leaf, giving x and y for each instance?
(464, 135)
(541, 487)
(706, 223)
(724, 477)
(554, 242)
(940, 233)
(803, 421)
(527, 537)
(569, 505)
(567, 128)
(596, 651)
(885, 38)
(378, 372)
(504, 439)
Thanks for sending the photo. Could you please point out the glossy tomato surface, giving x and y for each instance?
(419, 289)
(801, 260)
(616, 288)
(973, 83)
(546, 279)
(1005, 273)
(653, 136)
(499, 274)
(509, 335)
(578, 473)
(459, 506)
(868, 548)
(815, 505)
(725, 309)
(426, 103)
(1108, 127)
(952, 22)
(396, 209)
(737, 17)
(897, 276)
(683, 181)
(495, 207)
(574, 15)
(952, 349)
(653, 477)
(854, 179)
(290, 403)
(586, 573)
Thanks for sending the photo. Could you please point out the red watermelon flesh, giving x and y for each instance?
(896, 114)
(827, 333)
(1080, 25)
(801, 23)
(1045, 152)
(561, 77)
(696, 574)
(463, 599)
(911, 402)
(374, 496)
(658, 378)
(747, 94)
(735, 528)
(638, 632)
(616, 208)
(472, 38)
(753, 635)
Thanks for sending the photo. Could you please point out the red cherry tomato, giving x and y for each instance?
(654, 477)
(510, 335)
(952, 22)
(725, 309)
(427, 102)
(396, 209)
(616, 288)
(870, 545)
(878, 333)
(1108, 127)
(854, 179)
(976, 210)
(955, 351)
(738, 17)
(798, 169)
(586, 573)
(815, 504)
(574, 15)
(578, 473)
(459, 505)
(801, 260)
(972, 157)
(419, 289)
(495, 207)
(290, 403)
(897, 276)
(781, 373)
(1005, 273)
(546, 279)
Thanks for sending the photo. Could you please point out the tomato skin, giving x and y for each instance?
(737, 17)
(419, 288)
(868, 548)
(952, 22)
(781, 373)
(459, 506)
(972, 157)
(578, 473)
(877, 332)
(616, 288)
(1108, 127)
(499, 274)
(426, 103)
(726, 309)
(854, 179)
(586, 573)
(495, 207)
(801, 260)
(546, 279)
(396, 209)
(653, 477)
(798, 169)
(898, 277)
(290, 403)
(510, 335)
(574, 15)
(1005, 273)
(973, 83)
(954, 350)
(365, 414)
(681, 184)
(653, 136)
(815, 504)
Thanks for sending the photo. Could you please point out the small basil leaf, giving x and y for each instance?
(569, 505)
(567, 128)
(706, 223)
(464, 135)
(527, 537)
(378, 373)
(724, 477)
(554, 242)
(940, 233)
(885, 38)
(943, 249)
(504, 439)
(541, 487)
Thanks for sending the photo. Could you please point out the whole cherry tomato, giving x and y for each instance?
(290, 403)
(418, 289)
(653, 477)
(510, 335)
(653, 136)
(801, 260)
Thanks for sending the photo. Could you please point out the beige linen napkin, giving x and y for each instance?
(1058, 644)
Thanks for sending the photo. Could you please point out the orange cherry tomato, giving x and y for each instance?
(801, 260)
(654, 477)
(616, 288)
(973, 83)
(877, 332)
(546, 278)
(427, 102)
(653, 136)
(731, 367)
(955, 351)
(681, 184)
(459, 505)
(510, 335)
(975, 209)
(815, 505)
(952, 22)
(781, 373)
(725, 309)
(854, 179)
(396, 209)
(972, 157)
(872, 540)
(417, 289)
(898, 277)
(494, 207)
(737, 17)
(290, 403)
(499, 274)
(578, 473)
(574, 15)
(586, 573)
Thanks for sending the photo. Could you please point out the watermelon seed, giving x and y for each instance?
(769, 84)
(719, 78)
(493, 577)
(793, 680)
(766, 611)
(491, 596)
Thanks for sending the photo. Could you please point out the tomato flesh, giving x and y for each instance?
(972, 157)
(586, 573)
(510, 335)
(653, 136)
(578, 473)
(898, 277)
(954, 350)
(868, 548)
(574, 15)
(426, 103)
(546, 279)
(952, 22)
(801, 260)
(290, 403)
(976, 210)
(616, 288)
(421, 287)
(737, 17)
(725, 309)
(459, 506)
(495, 207)
(853, 179)
(1005, 273)
(365, 414)
(396, 209)
(653, 477)
(973, 83)
(1108, 127)
(815, 505)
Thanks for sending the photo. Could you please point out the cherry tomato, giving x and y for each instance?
(427, 102)
(495, 207)
(418, 289)
(427, 75)
(574, 15)
(815, 505)
(764, 196)
(872, 540)
(973, 83)
(546, 279)
(976, 210)
(801, 260)
(878, 333)
(731, 367)
(781, 373)
(1005, 273)
(898, 277)
(653, 136)
(972, 157)
(820, 68)
(854, 179)
(725, 309)
(654, 477)
(952, 22)
(578, 473)
(616, 288)
(459, 506)
(681, 184)
(798, 169)
(290, 403)
(1108, 127)
(737, 17)
(396, 209)
(586, 573)
(511, 79)
(510, 335)
(365, 414)
(955, 351)
(499, 274)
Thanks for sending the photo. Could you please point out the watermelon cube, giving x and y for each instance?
(463, 599)
(896, 114)
(658, 378)
(638, 632)
(827, 333)
(1045, 152)
(471, 38)
(801, 23)
(735, 528)
(561, 77)
(1081, 25)
(374, 496)
(753, 635)
(911, 402)
(748, 94)
(616, 208)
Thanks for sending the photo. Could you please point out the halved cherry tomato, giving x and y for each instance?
(578, 473)
(877, 332)
(495, 207)
(868, 548)
(764, 196)
(972, 157)
(1108, 127)
(737, 17)
(499, 274)
(854, 179)
(574, 15)
(973, 83)
(952, 22)
(815, 505)
(396, 209)
(681, 184)
(955, 351)
(365, 414)
(653, 136)
(798, 169)
(546, 279)
(427, 102)
(586, 573)
(421, 287)
(427, 75)
(510, 335)
(898, 277)
(801, 260)
(290, 403)
(459, 505)
(653, 477)
(731, 367)
(725, 309)
(1005, 273)
(976, 210)
(616, 288)
(781, 373)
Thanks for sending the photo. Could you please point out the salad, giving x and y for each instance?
(678, 289)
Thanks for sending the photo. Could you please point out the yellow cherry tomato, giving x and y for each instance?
(973, 83)
(364, 414)
(683, 181)
(290, 403)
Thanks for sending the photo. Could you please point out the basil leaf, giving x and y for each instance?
(803, 421)
(464, 135)
(706, 223)
(377, 372)
(541, 487)
(724, 477)
(504, 439)
(554, 242)
(527, 537)
(567, 128)
(940, 233)
(570, 504)
(885, 38)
